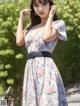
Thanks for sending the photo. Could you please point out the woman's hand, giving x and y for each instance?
(24, 13)
(52, 10)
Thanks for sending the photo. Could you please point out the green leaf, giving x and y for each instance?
(10, 81)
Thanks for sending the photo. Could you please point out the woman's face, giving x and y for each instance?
(41, 9)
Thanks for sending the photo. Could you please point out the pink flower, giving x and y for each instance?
(50, 90)
(40, 72)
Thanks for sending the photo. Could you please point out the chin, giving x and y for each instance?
(43, 16)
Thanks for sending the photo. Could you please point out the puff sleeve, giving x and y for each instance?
(61, 28)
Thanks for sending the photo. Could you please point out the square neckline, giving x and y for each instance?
(36, 34)
(40, 30)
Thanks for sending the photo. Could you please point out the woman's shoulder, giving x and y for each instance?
(59, 21)
(26, 29)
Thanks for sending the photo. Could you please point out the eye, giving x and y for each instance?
(36, 5)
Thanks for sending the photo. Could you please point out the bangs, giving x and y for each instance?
(40, 1)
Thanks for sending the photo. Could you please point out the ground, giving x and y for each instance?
(73, 95)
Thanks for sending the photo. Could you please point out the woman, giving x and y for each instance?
(42, 85)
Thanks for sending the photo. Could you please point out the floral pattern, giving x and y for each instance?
(42, 84)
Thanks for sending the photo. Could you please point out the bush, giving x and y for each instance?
(67, 54)
(11, 56)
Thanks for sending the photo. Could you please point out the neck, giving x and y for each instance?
(44, 20)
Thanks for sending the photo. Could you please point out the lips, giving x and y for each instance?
(41, 13)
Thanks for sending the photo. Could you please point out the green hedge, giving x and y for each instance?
(67, 54)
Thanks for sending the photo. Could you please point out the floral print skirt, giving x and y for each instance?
(42, 84)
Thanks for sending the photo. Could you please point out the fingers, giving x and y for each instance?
(53, 7)
(25, 12)
(52, 10)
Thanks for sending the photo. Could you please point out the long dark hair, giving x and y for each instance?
(35, 19)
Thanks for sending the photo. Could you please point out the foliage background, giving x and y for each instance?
(13, 58)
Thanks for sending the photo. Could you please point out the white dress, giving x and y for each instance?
(42, 84)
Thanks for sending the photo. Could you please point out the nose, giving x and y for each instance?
(40, 8)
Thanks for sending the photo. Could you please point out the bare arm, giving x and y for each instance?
(49, 33)
(20, 30)
(20, 33)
